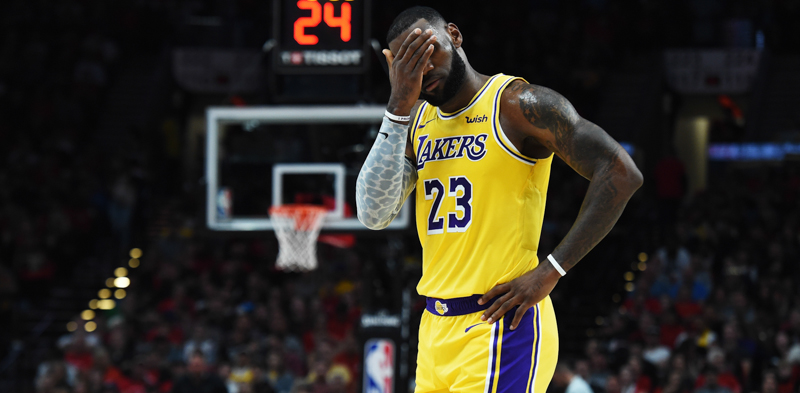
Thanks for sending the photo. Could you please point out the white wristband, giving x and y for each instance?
(393, 117)
(556, 265)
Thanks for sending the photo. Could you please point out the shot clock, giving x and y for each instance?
(321, 36)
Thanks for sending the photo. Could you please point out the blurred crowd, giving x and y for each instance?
(717, 305)
(215, 317)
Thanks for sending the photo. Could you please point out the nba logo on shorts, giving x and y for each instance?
(441, 308)
(378, 366)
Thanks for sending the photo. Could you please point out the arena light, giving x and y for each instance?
(120, 272)
(119, 294)
(642, 257)
(616, 298)
(87, 315)
(136, 253)
(134, 263)
(600, 321)
(72, 326)
(90, 326)
(629, 276)
(104, 293)
(93, 304)
(752, 151)
(122, 282)
(629, 287)
(110, 282)
(106, 304)
(642, 266)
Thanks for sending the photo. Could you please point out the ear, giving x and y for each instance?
(455, 34)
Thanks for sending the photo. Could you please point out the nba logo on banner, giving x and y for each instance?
(379, 366)
(224, 204)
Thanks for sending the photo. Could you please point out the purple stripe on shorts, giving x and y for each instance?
(538, 340)
(517, 352)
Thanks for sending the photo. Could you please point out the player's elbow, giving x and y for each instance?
(638, 178)
(366, 211)
(371, 219)
(632, 178)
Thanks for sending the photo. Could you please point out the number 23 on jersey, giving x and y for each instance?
(458, 187)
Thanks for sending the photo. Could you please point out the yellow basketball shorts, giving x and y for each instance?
(460, 353)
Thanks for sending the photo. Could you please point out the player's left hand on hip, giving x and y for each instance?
(524, 291)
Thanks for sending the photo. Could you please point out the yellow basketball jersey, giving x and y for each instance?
(480, 202)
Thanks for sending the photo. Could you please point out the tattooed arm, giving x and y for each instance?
(552, 121)
(541, 119)
(387, 178)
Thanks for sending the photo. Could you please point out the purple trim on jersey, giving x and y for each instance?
(495, 121)
(420, 112)
(517, 352)
(457, 306)
(496, 328)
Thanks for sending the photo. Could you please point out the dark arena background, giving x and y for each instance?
(142, 143)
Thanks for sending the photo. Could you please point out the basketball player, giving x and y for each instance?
(478, 148)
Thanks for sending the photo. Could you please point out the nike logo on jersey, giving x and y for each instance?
(385, 135)
(451, 147)
(477, 119)
(467, 329)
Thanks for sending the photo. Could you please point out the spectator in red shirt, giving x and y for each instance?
(670, 329)
(684, 305)
(717, 375)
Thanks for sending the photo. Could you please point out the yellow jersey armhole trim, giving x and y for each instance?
(500, 135)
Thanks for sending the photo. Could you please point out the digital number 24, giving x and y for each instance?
(342, 21)
(434, 189)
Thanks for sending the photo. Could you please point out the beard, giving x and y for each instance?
(453, 83)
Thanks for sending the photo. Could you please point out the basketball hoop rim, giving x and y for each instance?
(304, 217)
(295, 208)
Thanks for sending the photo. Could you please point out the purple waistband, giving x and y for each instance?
(456, 306)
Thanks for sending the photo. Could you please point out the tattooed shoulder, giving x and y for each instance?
(544, 108)
(547, 111)
(582, 144)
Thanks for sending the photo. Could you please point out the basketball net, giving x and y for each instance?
(297, 228)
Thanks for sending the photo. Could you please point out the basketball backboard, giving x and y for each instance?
(258, 157)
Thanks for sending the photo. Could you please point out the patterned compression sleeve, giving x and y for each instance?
(386, 179)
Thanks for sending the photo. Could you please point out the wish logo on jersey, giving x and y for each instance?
(477, 119)
(448, 148)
